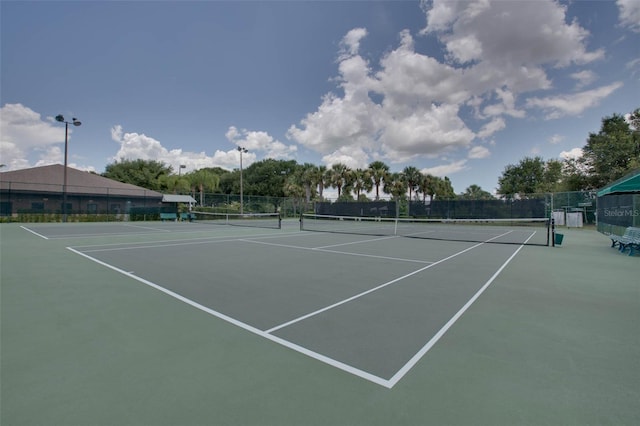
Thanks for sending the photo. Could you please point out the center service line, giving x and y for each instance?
(364, 293)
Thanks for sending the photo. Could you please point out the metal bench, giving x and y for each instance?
(168, 216)
(630, 239)
(187, 217)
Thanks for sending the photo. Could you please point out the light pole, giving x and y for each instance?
(241, 150)
(182, 166)
(75, 122)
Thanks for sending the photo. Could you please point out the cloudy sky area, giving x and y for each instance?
(457, 89)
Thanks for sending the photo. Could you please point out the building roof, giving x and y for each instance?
(172, 198)
(51, 179)
(628, 184)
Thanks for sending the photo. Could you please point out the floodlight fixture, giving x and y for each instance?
(241, 150)
(75, 122)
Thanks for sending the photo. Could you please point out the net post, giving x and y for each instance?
(553, 232)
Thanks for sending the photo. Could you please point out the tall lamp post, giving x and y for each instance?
(75, 122)
(241, 150)
(182, 166)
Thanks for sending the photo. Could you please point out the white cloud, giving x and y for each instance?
(633, 66)
(479, 152)
(260, 141)
(426, 132)
(23, 131)
(496, 51)
(350, 44)
(629, 11)
(509, 32)
(134, 146)
(571, 154)
(555, 139)
(584, 78)
(446, 169)
(572, 104)
(492, 127)
(352, 158)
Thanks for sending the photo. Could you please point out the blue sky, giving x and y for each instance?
(457, 89)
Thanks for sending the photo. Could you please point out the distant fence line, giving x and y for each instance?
(22, 201)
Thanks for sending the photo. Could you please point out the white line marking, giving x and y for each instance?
(337, 364)
(364, 293)
(334, 363)
(148, 227)
(414, 360)
(356, 242)
(33, 232)
(212, 239)
(399, 259)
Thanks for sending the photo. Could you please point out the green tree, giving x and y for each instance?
(530, 176)
(613, 152)
(475, 192)
(340, 177)
(204, 180)
(412, 176)
(378, 171)
(295, 188)
(308, 178)
(145, 173)
(175, 183)
(427, 186)
(267, 177)
(322, 179)
(361, 182)
(230, 182)
(444, 189)
(395, 185)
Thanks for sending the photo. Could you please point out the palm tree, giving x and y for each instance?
(361, 180)
(396, 185)
(294, 188)
(321, 178)
(475, 192)
(174, 183)
(339, 177)
(308, 178)
(378, 171)
(412, 177)
(427, 186)
(204, 179)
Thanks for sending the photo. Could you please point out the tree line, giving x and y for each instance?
(608, 155)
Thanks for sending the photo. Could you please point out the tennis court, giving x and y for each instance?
(324, 314)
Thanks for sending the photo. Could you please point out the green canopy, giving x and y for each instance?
(628, 184)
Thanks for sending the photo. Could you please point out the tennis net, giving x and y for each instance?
(530, 231)
(257, 220)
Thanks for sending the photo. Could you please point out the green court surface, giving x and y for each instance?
(190, 324)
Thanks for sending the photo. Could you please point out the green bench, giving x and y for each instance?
(630, 239)
(168, 216)
(187, 217)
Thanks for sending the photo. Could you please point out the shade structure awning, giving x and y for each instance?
(628, 184)
(172, 198)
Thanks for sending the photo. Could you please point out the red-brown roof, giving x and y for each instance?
(51, 179)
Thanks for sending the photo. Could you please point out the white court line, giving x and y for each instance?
(165, 243)
(334, 363)
(194, 240)
(147, 227)
(399, 259)
(337, 364)
(418, 356)
(356, 242)
(357, 296)
(33, 232)
(364, 293)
